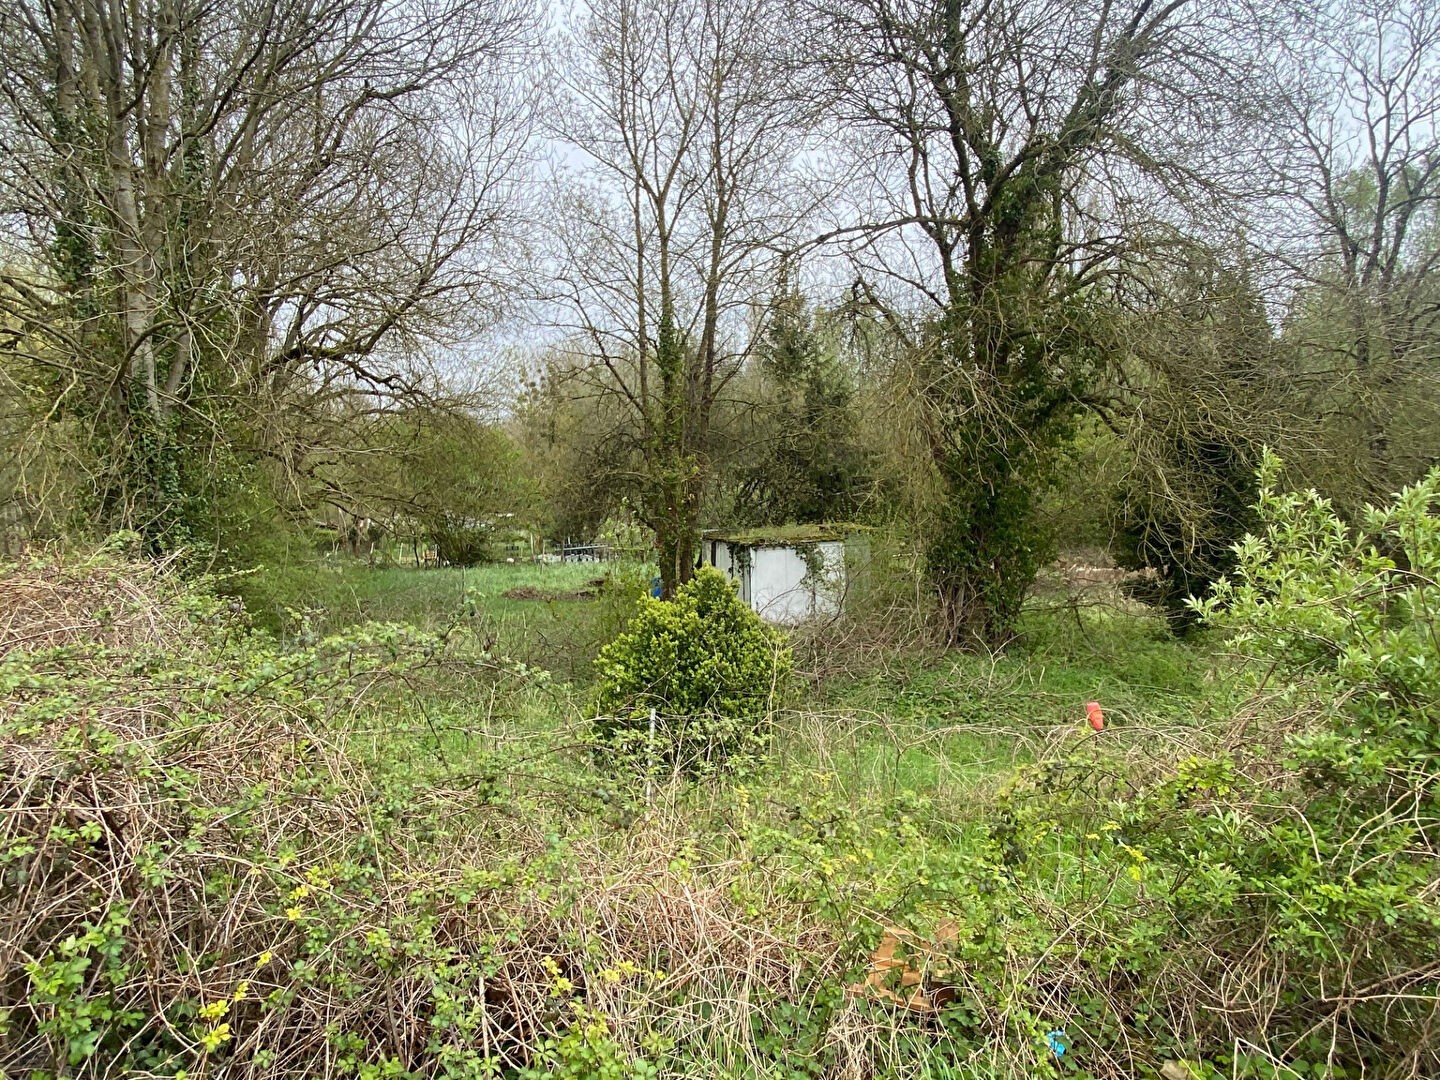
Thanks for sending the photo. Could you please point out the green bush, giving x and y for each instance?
(1291, 867)
(1312, 847)
(707, 666)
(621, 589)
(1259, 898)
(461, 543)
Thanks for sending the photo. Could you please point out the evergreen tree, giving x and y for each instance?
(810, 465)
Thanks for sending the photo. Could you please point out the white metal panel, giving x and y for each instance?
(775, 580)
(783, 591)
(830, 589)
(724, 557)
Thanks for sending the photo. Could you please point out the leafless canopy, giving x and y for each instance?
(1355, 171)
(251, 202)
(678, 200)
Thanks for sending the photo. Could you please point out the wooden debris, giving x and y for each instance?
(909, 970)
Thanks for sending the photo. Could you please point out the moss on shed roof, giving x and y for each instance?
(785, 535)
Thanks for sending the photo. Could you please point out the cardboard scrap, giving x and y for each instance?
(908, 970)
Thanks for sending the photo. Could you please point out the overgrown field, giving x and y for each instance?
(379, 849)
(541, 613)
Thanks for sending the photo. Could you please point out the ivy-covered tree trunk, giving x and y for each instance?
(115, 314)
(673, 491)
(678, 540)
(1004, 135)
(677, 531)
(987, 547)
(1000, 410)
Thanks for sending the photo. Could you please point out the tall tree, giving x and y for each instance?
(231, 210)
(684, 115)
(1357, 167)
(1199, 393)
(803, 458)
(1008, 146)
(580, 442)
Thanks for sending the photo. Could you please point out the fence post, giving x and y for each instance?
(650, 760)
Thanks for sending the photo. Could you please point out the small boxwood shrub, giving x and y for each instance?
(705, 663)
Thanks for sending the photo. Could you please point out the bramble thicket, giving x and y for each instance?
(378, 379)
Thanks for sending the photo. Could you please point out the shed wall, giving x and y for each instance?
(774, 580)
(781, 591)
(721, 555)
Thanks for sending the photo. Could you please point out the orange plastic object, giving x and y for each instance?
(1096, 715)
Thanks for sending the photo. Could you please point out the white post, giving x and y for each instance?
(650, 760)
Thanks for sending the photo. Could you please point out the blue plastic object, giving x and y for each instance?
(1056, 1039)
(656, 588)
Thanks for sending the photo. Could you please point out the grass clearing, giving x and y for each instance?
(551, 620)
(912, 719)
(943, 722)
(341, 593)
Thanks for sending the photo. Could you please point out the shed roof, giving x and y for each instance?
(784, 535)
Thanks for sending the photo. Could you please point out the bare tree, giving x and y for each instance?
(673, 227)
(1357, 168)
(1011, 149)
(228, 210)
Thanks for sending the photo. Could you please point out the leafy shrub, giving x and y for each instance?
(626, 587)
(1259, 898)
(707, 666)
(1283, 892)
(462, 543)
(625, 534)
(1331, 855)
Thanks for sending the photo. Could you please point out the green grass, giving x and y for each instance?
(347, 593)
(550, 629)
(941, 722)
(929, 721)
(950, 710)
(1128, 662)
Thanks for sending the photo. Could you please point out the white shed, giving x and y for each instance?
(786, 574)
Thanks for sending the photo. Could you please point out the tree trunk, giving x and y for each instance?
(674, 484)
(979, 595)
(965, 619)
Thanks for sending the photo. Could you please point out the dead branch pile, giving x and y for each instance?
(50, 602)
